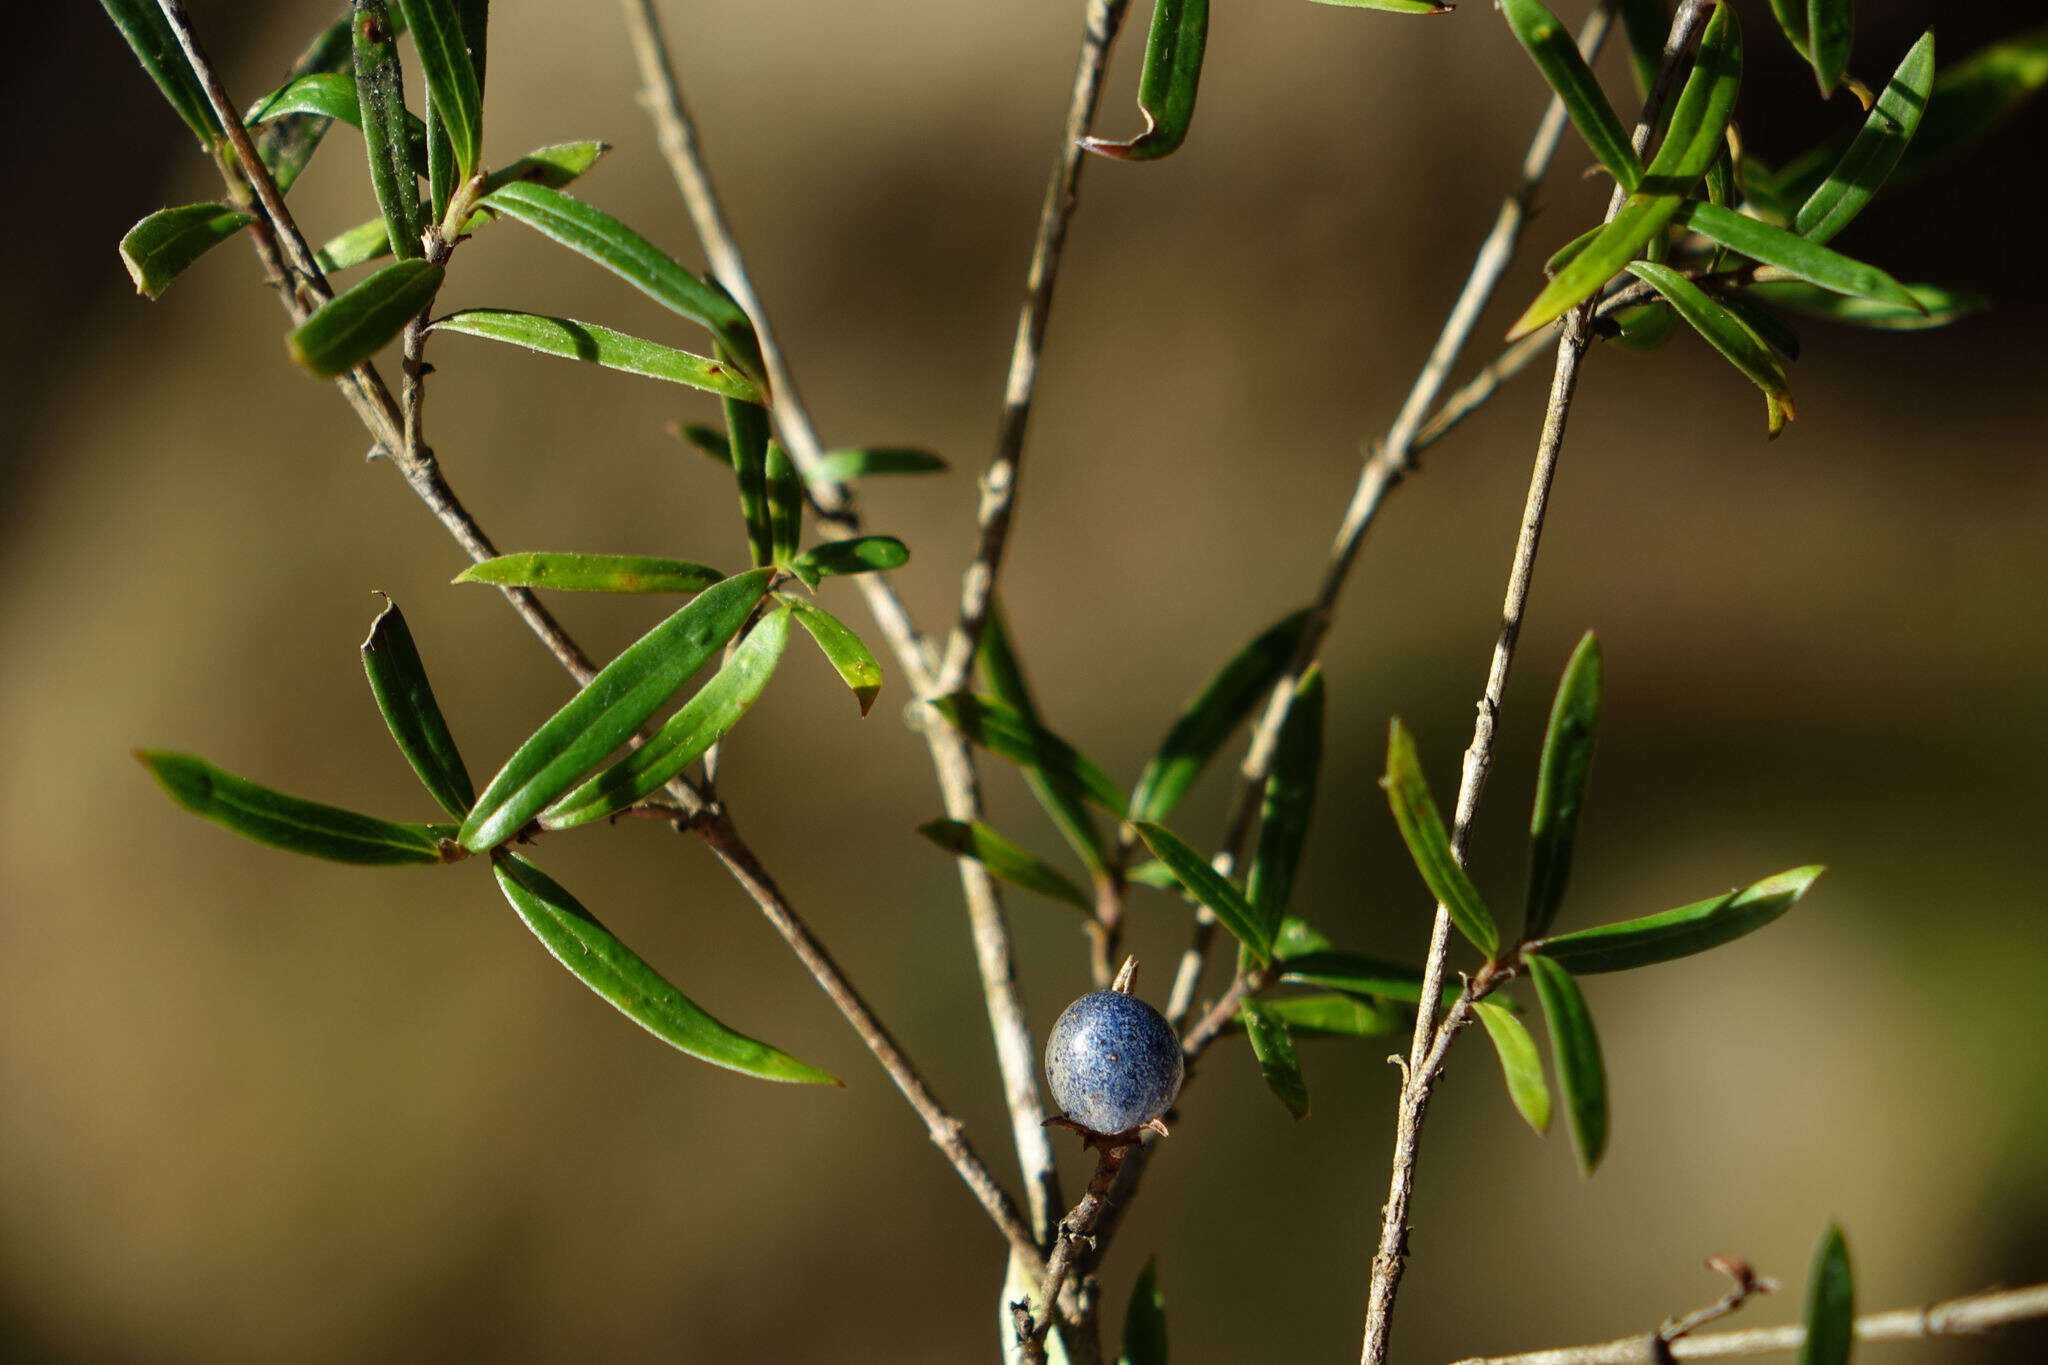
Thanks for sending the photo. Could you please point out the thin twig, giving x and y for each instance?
(1970, 1315)
(1073, 1238)
(388, 428)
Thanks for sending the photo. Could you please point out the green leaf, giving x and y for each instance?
(1766, 324)
(1061, 801)
(1166, 82)
(858, 462)
(286, 145)
(1645, 328)
(610, 708)
(597, 236)
(1830, 28)
(1696, 139)
(1209, 886)
(591, 573)
(1876, 149)
(399, 682)
(1289, 801)
(857, 554)
(1942, 306)
(785, 505)
(1793, 23)
(365, 242)
(1214, 713)
(1005, 860)
(594, 955)
(1795, 255)
(1352, 973)
(698, 724)
(711, 444)
(332, 96)
(1154, 874)
(1830, 1316)
(842, 649)
(1296, 936)
(1520, 1066)
(157, 249)
(1393, 6)
(471, 19)
(1274, 1049)
(1682, 932)
(1422, 829)
(1145, 1320)
(747, 430)
(587, 341)
(1645, 23)
(1561, 784)
(452, 85)
(1556, 54)
(1976, 95)
(352, 326)
(1575, 1047)
(380, 95)
(1729, 335)
(1569, 252)
(1004, 731)
(1335, 1015)
(288, 823)
(150, 38)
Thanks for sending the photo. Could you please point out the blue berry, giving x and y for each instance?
(1113, 1061)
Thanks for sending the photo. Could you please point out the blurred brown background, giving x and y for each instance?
(260, 1108)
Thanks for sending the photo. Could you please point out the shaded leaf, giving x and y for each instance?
(1830, 1315)
(1003, 731)
(1289, 801)
(149, 37)
(1575, 1047)
(352, 326)
(1977, 94)
(286, 145)
(1793, 23)
(1274, 1049)
(1153, 873)
(1830, 27)
(1209, 886)
(380, 96)
(842, 649)
(1682, 932)
(747, 432)
(1352, 973)
(1942, 306)
(1728, 334)
(573, 340)
(1005, 860)
(1645, 23)
(698, 724)
(1145, 1320)
(1520, 1065)
(1422, 829)
(857, 554)
(331, 96)
(1794, 254)
(858, 462)
(785, 507)
(1166, 83)
(1556, 54)
(595, 956)
(1214, 713)
(286, 822)
(591, 573)
(398, 680)
(157, 249)
(709, 443)
(1561, 784)
(606, 712)
(1874, 152)
(1060, 799)
(452, 86)
(1766, 324)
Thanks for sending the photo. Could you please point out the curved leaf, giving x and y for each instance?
(596, 957)
(849, 657)
(1556, 54)
(352, 326)
(1422, 829)
(286, 822)
(587, 341)
(1830, 1316)
(1682, 932)
(1005, 860)
(1728, 334)
(159, 248)
(1290, 799)
(1166, 82)
(1003, 731)
(1937, 306)
(332, 96)
(286, 145)
(1876, 149)
(398, 680)
(1274, 1049)
(380, 96)
(591, 573)
(1209, 886)
(857, 554)
(1561, 784)
(1520, 1065)
(149, 37)
(1830, 27)
(1061, 800)
(1354, 974)
(1575, 1047)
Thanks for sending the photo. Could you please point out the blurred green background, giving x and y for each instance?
(259, 1108)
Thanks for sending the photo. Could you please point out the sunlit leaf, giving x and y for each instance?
(1561, 784)
(398, 680)
(1830, 1316)
(1942, 306)
(451, 79)
(1005, 860)
(850, 658)
(1145, 1320)
(1520, 1065)
(1556, 54)
(1209, 886)
(159, 248)
(1274, 1049)
(587, 341)
(1874, 152)
(150, 38)
(1644, 328)
(855, 555)
(591, 573)
(1352, 973)
(1729, 335)
(353, 326)
(380, 96)
(1393, 6)
(286, 822)
(1335, 1015)
(331, 96)
(1682, 932)
(1166, 83)
(1793, 23)
(1575, 1047)
(1289, 800)
(1060, 799)
(1794, 254)
(595, 956)
(1004, 731)
(858, 462)
(1422, 829)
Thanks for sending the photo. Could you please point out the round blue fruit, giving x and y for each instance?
(1113, 1062)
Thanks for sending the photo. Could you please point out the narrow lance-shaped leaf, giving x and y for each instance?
(1145, 1320)
(1166, 83)
(286, 822)
(1422, 829)
(1355, 974)
(1729, 335)
(398, 680)
(587, 341)
(1210, 718)
(332, 96)
(455, 95)
(596, 957)
(854, 555)
(149, 37)
(159, 248)
(746, 426)
(1003, 731)
(1575, 1047)
(380, 95)
(1336, 1015)
(604, 240)
(1794, 254)
(1561, 784)
(1556, 54)
(1875, 151)
(1209, 886)
(1393, 6)
(1793, 23)
(1830, 27)
(1773, 329)
(1006, 861)
(1062, 802)
(352, 326)
(1941, 306)
(1682, 932)
(849, 657)
(591, 573)
(1646, 25)
(785, 504)
(286, 145)
(1520, 1065)
(858, 462)
(1976, 95)
(610, 708)
(1274, 1049)
(1696, 138)
(698, 724)
(1830, 1316)
(1289, 800)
